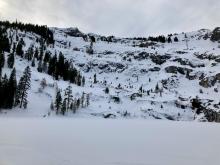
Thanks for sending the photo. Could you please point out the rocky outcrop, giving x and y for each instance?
(74, 32)
(205, 56)
(189, 63)
(159, 60)
(208, 82)
(155, 69)
(141, 56)
(107, 67)
(175, 70)
(215, 34)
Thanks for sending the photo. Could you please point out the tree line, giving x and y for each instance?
(163, 39)
(54, 65)
(43, 31)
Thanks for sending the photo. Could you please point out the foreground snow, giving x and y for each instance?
(106, 142)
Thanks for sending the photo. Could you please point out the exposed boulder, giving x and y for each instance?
(206, 56)
(159, 60)
(107, 116)
(217, 60)
(141, 56)
(208, 82)
(175, 70)
(216, 34)
(189, 63)
(155, 69)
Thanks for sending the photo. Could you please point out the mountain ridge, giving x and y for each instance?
(152, 78)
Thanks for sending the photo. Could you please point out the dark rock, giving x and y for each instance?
(141, 56)
(187, 62)
(159, 60)
(107, 116)
(218, 60)
(175, 70)
(208, 82)
(135, 95)
(143, 71)
(74, 32)
(116, 99)
(216, 34)
(102, 66)
(155, 69)
(181, 52)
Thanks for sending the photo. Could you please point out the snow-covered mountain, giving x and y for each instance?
(136, 77)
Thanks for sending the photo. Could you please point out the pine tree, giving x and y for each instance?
(12, 86)
(82, 100)
(79, 79)
(36, 54)
(60, 65)
(4, 91)
(44, 67)
(65, 71)
(2, 60)
(30, 53)
(157, 88)
(107, 90)
(11, 60)
(33, 62)
(41, 49)
(47, 56)
(43, 83)
(169, 40)
(87, 100)
(68, 96)
(23, 87)
(78, 103)
(52, 65)
(83, 81)
(51, 106)
(64, 108)
(95, 80)
(19, 49)
(58, 101)
(1, 93)
(74, 106)
(176, 39)
(14, 48)
(40, 67)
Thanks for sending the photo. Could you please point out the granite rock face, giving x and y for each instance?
(216, 34)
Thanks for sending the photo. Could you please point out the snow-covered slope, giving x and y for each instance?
(107, 142)
(181, 70)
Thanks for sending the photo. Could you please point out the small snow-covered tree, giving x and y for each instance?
(63, 108)
(11, 60)
(68, 96)
(58, 101)
(43, 83)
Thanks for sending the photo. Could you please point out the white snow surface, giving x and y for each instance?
(106, 142)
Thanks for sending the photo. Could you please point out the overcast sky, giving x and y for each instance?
(117, 17)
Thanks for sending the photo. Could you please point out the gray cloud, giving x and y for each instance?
(117, 17)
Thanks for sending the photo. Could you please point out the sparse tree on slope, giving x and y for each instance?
(12, 86)
(11, 60)
(23, 87)
(58, 101)
(64, 108)
(68, 96)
